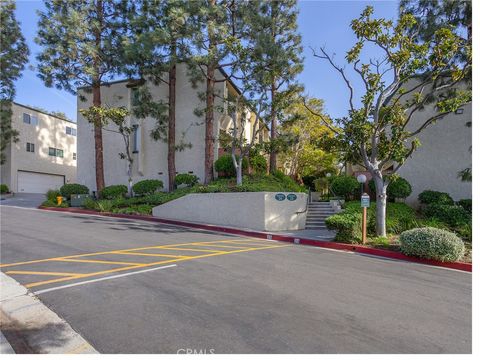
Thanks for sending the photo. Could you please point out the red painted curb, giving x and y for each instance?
(264, 235)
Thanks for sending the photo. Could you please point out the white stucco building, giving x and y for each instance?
(45, 155)
(150, 156)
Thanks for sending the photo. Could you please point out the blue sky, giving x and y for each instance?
(321, 23)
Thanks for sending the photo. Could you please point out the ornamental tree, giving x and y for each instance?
(13, 57)
(80, 43)
(410, 75)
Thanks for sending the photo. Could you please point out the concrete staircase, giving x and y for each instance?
(316, 214)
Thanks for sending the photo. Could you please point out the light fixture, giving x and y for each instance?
(362, 179)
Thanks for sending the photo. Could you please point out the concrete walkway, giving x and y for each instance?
(23, 200)
(5, 347)
(311, 234)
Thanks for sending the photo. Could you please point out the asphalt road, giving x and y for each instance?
(228, 294)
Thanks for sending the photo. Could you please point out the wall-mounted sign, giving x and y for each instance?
(280, 197)
(292, 197)
(365, 201)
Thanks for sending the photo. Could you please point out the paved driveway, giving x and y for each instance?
(23, 200)
(138, 287)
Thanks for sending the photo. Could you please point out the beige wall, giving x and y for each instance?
(151, 161)
(257, 211)
(50, 132)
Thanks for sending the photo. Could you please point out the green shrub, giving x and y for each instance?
(348, 227)
(134, 210)
(344, 186)
(3, 188)
(113, 191)
(224, 165)
(465, 232)
(431, 243)
(104, 205)
(450, 214)
(187, 179)
(70, 189)
(435, 197)
(50, 203)
(90, 204)
(52, 195)
(147, 187)
(399, 188)
(258, 164)
(466, 204)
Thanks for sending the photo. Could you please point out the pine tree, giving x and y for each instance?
(14, 55)
(80, 46)
(156, 45)
(278, 50)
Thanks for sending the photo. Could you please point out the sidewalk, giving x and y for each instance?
(5, 347)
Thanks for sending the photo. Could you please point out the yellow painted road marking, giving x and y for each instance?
(221, 246)
(148, 254)
(18, 272)
(99, 261)
(148, 265)
(189, 249)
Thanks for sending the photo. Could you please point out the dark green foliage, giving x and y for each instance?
(399, 188)
(51, 203)
(258, 164)
(450, 214)
(348, 224)
(3, 188)
(308, 181)
(187, 179)
(466, 204)
(431, 243)
(344, 186)
(225, 167)
(147, 187)
(143, 209)
(435, 197)
(70, 189)
(113, 191)
(52, 195)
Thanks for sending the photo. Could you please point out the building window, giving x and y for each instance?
(26, 118)
(30, 119)
(55, 152)
(30, 147)
(74, 156)
(71, 131)
(136, 139)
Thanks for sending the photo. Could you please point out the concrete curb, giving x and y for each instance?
(271, 236)
(31, 327)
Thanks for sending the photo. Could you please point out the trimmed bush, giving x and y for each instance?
(3, 189)
(435, 197)
(431, 243)
(466, 204)
(399, 188)
(224, 165)
(70, 189)
(51, 195)
(114, 191)
(147, 187)
(187, 179)
(50, 203)
(348, 227)
(450, 214)
(344, 186)
(258, 163)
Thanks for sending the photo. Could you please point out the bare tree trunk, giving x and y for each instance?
(273, 131)
(100, 180)
(209, 116)
(238, 169)
(381, 207)
(130, 181)
(172, 78)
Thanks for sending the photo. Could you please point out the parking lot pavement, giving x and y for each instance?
(137, 287)
(23, 200)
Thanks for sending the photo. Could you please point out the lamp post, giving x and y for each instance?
(364, 203)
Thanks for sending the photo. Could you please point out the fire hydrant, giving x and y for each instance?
(59, 200)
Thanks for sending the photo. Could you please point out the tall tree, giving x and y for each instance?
(80, 43)
(410, 75)
(157, 43)
(13, 57)
(278, 45)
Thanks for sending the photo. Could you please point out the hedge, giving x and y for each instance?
(147, 187)
(399, 188)
(70, 189)
(435, 197)
(3, 189)
(466, 204)
(187, 179)
(344, 186)
(432, 243)
(114, 191)
(450, 214)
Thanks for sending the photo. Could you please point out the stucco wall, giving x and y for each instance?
(50, 132)
(151, 161)
(258, 210)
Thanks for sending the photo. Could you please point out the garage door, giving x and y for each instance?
(30, 182)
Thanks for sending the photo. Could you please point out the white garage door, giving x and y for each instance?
(30, 182)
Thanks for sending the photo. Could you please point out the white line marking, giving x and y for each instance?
(101, 279)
